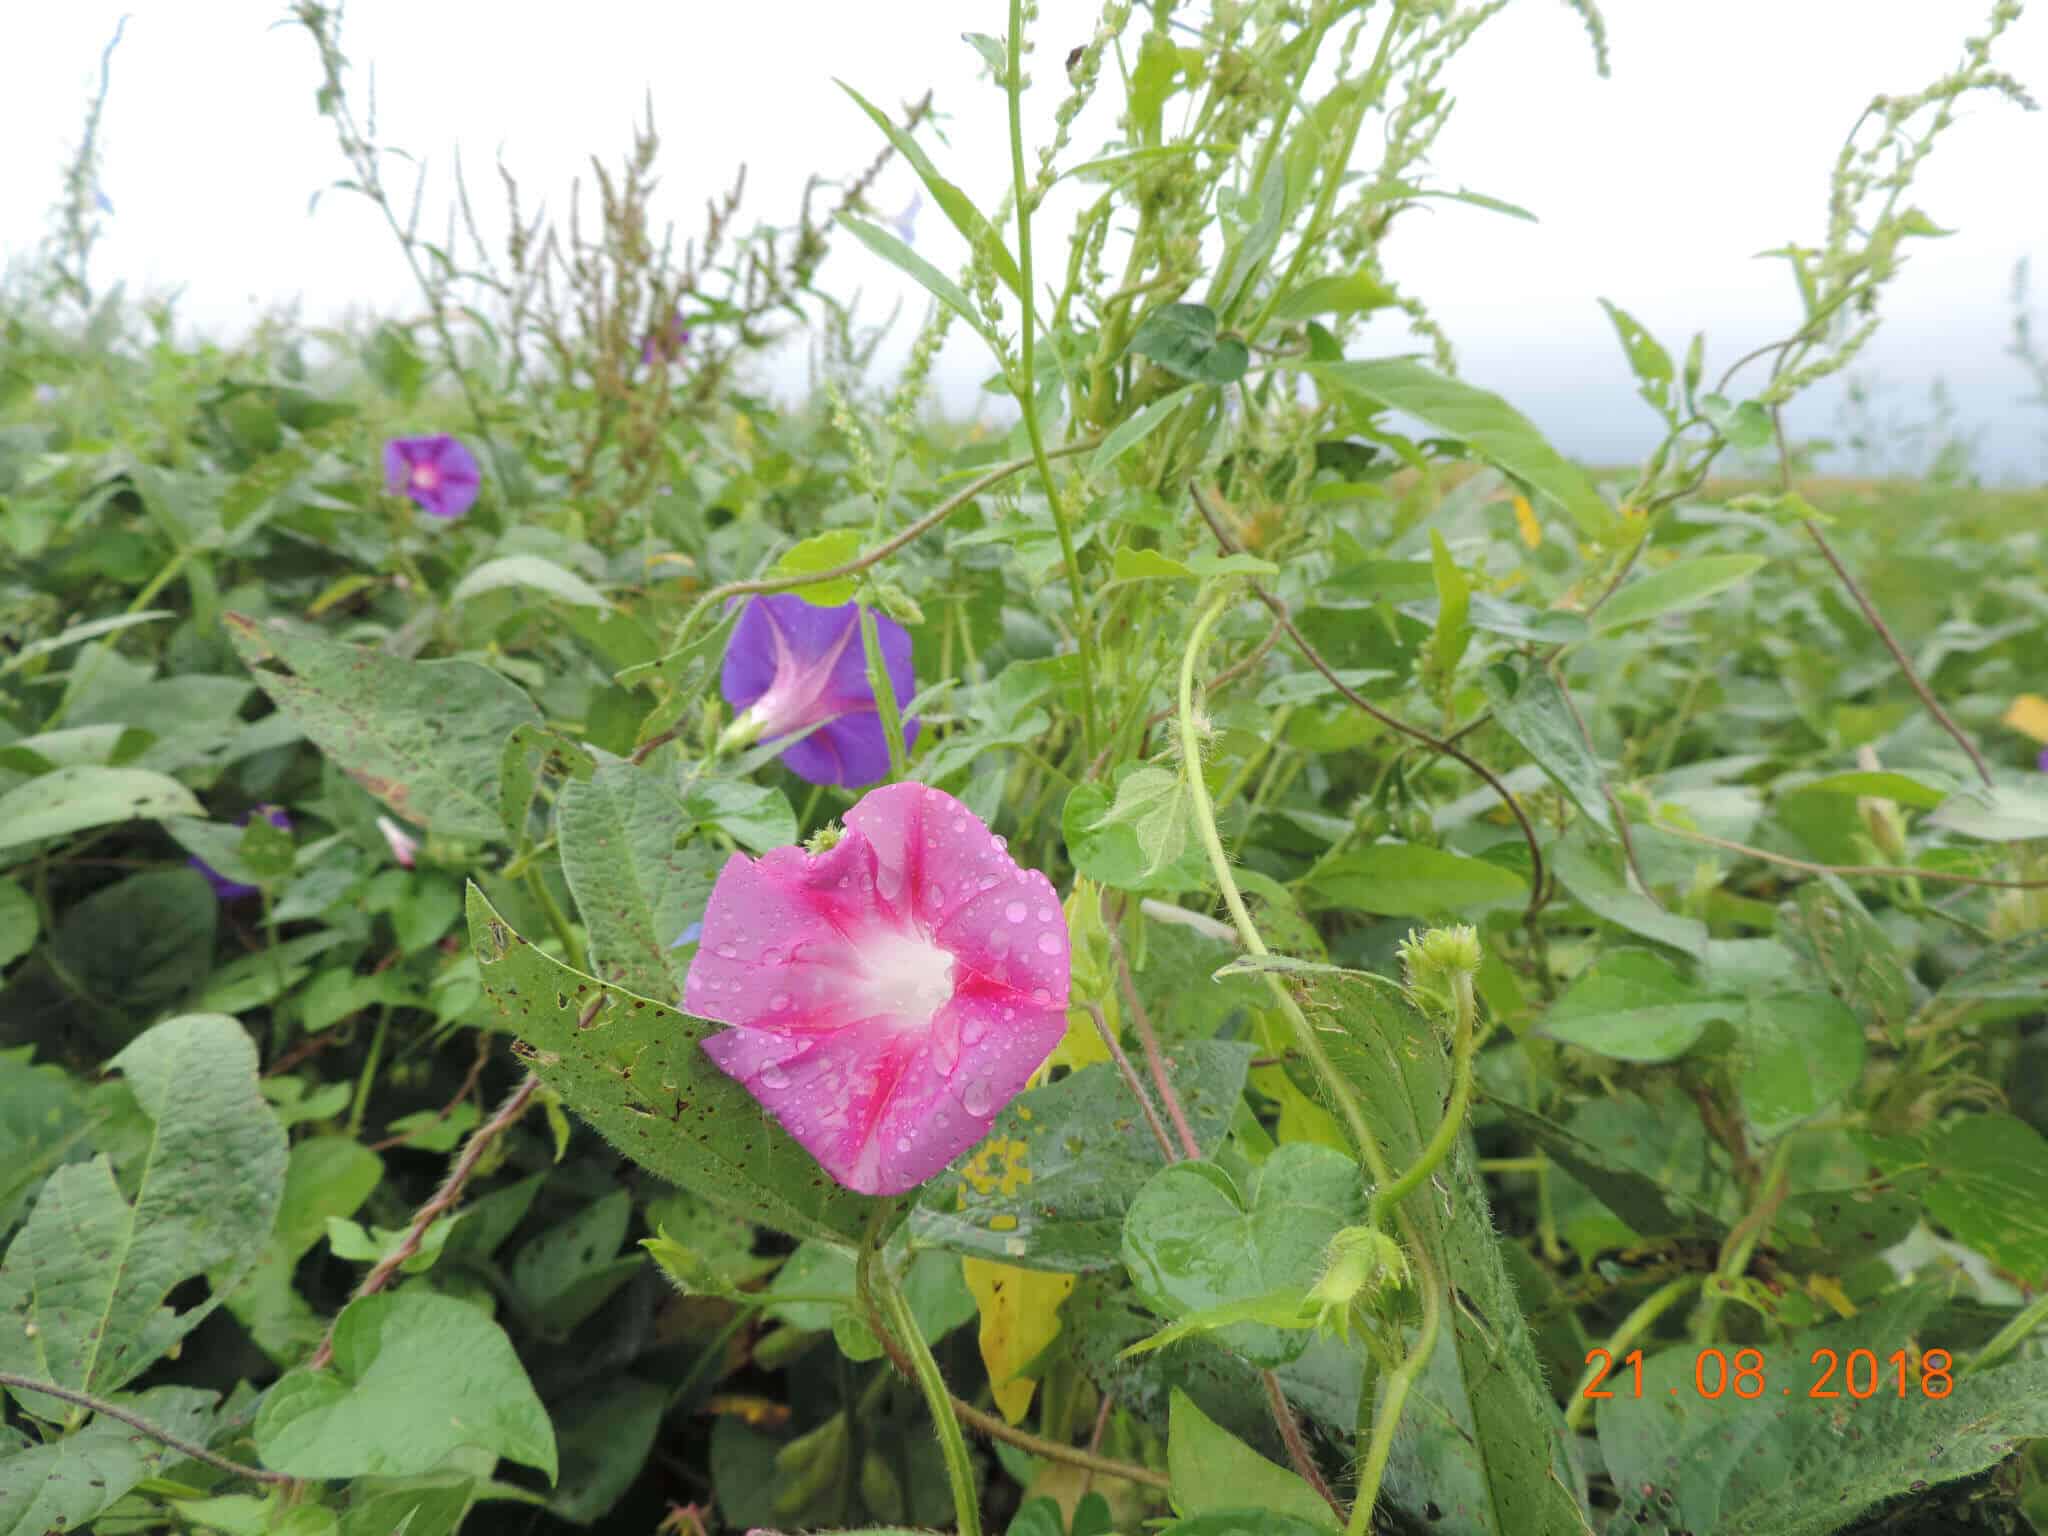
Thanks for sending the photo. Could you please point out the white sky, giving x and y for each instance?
(1655, 188)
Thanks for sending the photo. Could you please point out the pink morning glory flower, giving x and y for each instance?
(887, 995)
(791, 664)
(403, 845)
(224, 889)
(437, 472)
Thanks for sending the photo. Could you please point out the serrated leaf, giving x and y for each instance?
(635, 1073)
(84, 1287)
(425, 737)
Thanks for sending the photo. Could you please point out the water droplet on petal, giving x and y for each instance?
(938, 894)
(726, 951)
(1015, 911)
(1002, 843)
(1045, 914)
(972, 1028)
(1009, 1014)
(902, 1143)
(779, 1002)
(1040, 996)
(771, 956)
(774, 1077)
(1048, 943)
(978, 1099)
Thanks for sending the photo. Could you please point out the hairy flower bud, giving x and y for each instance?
(1359, 1264)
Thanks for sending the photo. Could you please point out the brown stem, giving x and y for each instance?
(1130, 1076)
(443, 1201)
(1877, 871)
(1941, 716)
(1155, 1060)
(1537, 894)
(1297, 1447)
(177, 1443)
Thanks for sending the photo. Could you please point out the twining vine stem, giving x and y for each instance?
(155, 1432)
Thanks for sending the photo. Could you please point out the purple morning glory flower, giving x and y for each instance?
(791, 664)
(905, 223)
(2041, 762)
(224, 889)
(437, 472)
(667, 345)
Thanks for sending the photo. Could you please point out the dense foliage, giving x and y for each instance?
(1553, 962)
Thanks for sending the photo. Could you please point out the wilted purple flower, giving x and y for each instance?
(791, 664)
(437, 472)
(2041, 762)
(665, 346)
(224, 889)
(404, 847)
(46, 394)
(905, 223)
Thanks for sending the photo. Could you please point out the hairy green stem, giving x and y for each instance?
(880, 1285)
(1386, 1418)
(2010, 1337)
(1633, 1327)
(1388, 1196)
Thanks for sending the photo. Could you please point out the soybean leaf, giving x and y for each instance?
(606, 1433)
(72, 799)
(1529, 706)
(756, 816)
(425, 737)
(1409, 880)
(1487, 1405)
(1484, 422)
(1692, 580)
(568, 1271)
(415, 1377)
(533, 573)
(1596, 882)
(2015, 971)
(1826, 925)
(1779, 1462)
(66, 1484)
(1062, 1163)
(635, 1073)
(1983, 1177)
(84, 1285)
(637, 890)
(1801, 1054)
(327, 1176)
(1194, 1242)
(1212, 1470)
(1632, 1005)
(19, 922)
(1650, 1209)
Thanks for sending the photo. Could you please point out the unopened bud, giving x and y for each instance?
(1359, 1264)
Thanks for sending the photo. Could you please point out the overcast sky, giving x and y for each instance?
(1655, 188)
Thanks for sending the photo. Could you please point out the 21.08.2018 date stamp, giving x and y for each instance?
(1858, 1375)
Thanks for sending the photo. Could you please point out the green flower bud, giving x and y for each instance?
(1359, 1264)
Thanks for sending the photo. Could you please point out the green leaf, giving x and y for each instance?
(1134, 429)
(821, 552)
(78, 634)
(1596, 882)
(415, 1377)
(1453, 606)
(1746, 426)
(84, 1286)
(606, 1432)
(756, 816)
(1647, 360)
(425, 737)
(1632, 1005)
(1110, 852)
(66, 1484)
(1507, 1462)
(1690, 581)
(2015, 971)
(1827, 927)
(533, 573)
(570, 1270)
(42, 1117)
(19, 923)
(1801, 1054)
(1062, 1163)
(1649, 1208)
(327, 1176)
(1484, 422)
(2007, 813)
(1212, 1470)
(1786, 1464)
(635, 887)
(1181, 338)
(1984, 1180)
(1149, 565)
(927, 276)
(1530, 706)
(1153, 803)
(72, 799)
(1194, 1242)
(1355, 293)
(955, 204)
(635, 1072)
(1409, 880)
(1904, 788)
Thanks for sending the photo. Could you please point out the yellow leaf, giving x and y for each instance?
(1526, 524)
(1829, 1290)
(1301, 1117)
(1020, 1316)
(2029, 716)
(1082, 1045)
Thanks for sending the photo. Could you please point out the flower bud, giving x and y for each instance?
(1359, 1264)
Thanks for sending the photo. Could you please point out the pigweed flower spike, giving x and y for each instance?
(437, 472)
(791, 664)
(224, 889)
(887, 995)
